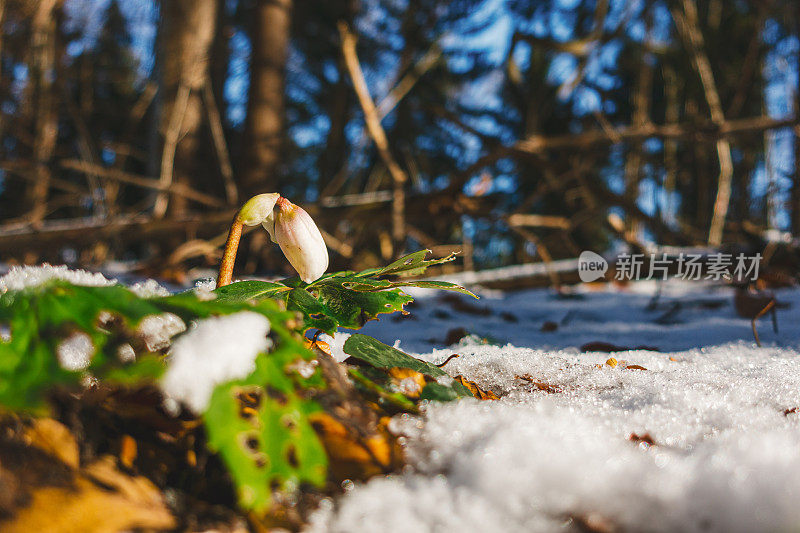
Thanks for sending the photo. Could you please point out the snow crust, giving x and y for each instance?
(156, 331)
(21, 277)
(718, 408)
(149, 288)
(213, 351)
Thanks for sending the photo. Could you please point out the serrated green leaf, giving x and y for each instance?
(315, 315)
(412, 264)
(352, 309)
(370, 285)
(343, 299)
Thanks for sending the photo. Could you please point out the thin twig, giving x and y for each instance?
(543, 252)
(408, 81)
(761, 313)
(176, 189)
(171, 139)
(218, 136)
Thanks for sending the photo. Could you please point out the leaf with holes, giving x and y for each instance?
(260, 427)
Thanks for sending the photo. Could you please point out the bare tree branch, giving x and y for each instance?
(372, 119)
(689, 28)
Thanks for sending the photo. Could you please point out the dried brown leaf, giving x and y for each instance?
(540, 385)
(354, 455)
(409, 382)
(54, 439)
(101, 499)
(644, 438)
(476, 391)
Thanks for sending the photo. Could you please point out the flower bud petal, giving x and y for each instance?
(269, 225)
(300, 240)
(258, 209)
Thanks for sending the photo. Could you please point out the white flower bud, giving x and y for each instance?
(299, 238)
(258, 209)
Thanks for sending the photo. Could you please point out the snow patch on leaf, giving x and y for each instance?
(22, 277)
(157, 330)
(75, 353)
(214, 351)
(149, 289)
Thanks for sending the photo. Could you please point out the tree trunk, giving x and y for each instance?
(333, 156)
(795, 194)
(186, 36)
(43, 63)
(265, 107)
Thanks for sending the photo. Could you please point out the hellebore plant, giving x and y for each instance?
(289, 226)
(287, 422)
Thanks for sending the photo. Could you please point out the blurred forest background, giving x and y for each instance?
(515, 131)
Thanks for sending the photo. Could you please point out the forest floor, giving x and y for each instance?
(618, 410)
(700, 435)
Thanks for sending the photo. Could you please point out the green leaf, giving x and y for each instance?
(41, 318)
(314, 313)
(440, 393)
(189, 306)
(261, 428)
(330, 304)
(344, 299)
(371, 285)
(412, 264)
(352, 309)
(147, 367)
(379, 355)
(249, 290)
(373, 382)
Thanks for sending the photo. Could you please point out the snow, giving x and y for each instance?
(204, 288)
(336, 344)
(156, 331)
(75, 352)
(21, 277)
(717, 406)
(213, 351)
(149, 288)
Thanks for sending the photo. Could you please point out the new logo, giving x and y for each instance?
(591, 266)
